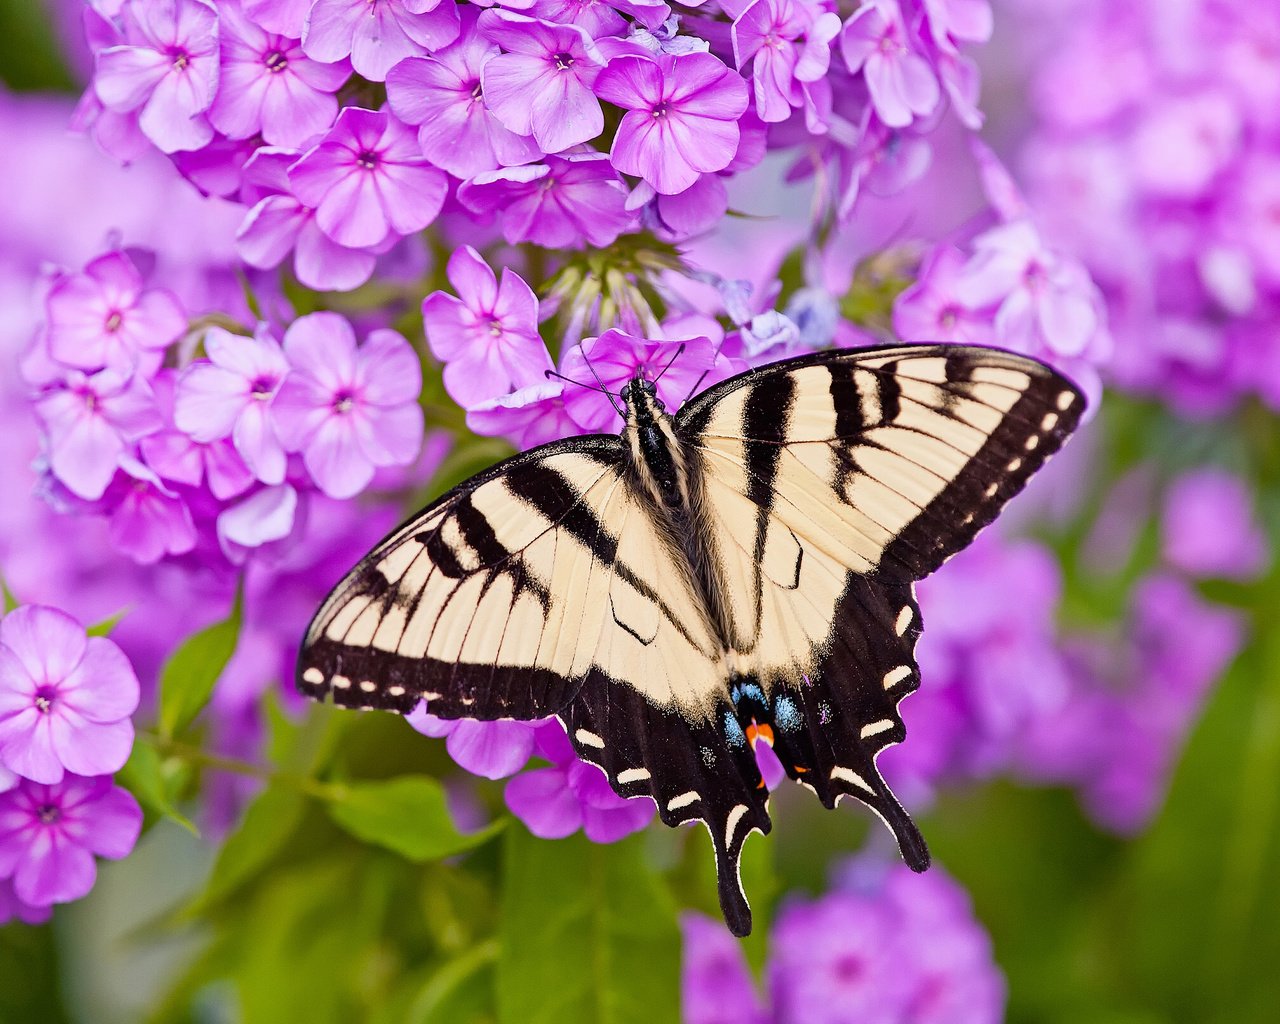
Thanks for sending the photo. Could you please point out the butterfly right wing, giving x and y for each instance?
(487, 604)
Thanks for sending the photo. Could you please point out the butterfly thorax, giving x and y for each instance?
(667, 474)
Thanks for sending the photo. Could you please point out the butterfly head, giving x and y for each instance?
(640, 392)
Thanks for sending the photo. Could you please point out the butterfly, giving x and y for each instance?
(740, 572)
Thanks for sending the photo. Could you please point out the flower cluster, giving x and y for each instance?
(177, 459)
(1009, 288)
(882, 945)
(500, 115)
(1155, 160)
(65, 729)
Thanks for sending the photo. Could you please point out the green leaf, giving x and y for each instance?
(105, 627)
(145, 777)
(10, 602)
(188, 677)
(269, 823)
(407, 814)
(588, 934)
(460, 992)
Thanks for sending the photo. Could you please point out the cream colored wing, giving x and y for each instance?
(830, 483)
(488, 603)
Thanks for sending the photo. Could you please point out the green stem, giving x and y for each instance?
(235, 766)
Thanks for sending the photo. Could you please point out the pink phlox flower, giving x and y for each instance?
(596, 17)
(679, 217)
(487, 336)
(528, 416)
(877, 42)
(377, 36)
(951, 20)
(768, 34)
(770, 336)
(167, 66)
(268, 86)
(541, 84)
(116, 134)
(816, 315)
(348, 408)
(931, 309)
(12, 908)
(443, 96)
(147, 520)
(284, 17)
(65, 698)
(266, 516)
(49, 835)
(368, 180)
(573, 200)
(177, 458)
(232, 396)
(662, 39)
(90, 421)
(555, 802)
(217, 169)
(279, 222)
(1041, 300)
(615, 357)
(716, 984)
(492, 750)
(682, 117)
(104, 317)
(1208, 526)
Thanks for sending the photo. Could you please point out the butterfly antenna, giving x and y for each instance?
(674, 357)
(613, 399)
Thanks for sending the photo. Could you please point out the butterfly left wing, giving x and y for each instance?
(831, 483)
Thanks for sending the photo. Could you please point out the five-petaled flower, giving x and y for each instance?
(348, 408)
(65, 698)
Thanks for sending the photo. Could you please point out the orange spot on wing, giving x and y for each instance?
(759, 732)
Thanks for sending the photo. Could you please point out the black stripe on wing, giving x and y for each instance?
(1032, 431)
(366, 676)
(693, 770)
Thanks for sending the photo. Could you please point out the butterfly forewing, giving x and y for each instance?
(481, 603)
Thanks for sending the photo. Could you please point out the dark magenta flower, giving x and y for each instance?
(555, 802)
(348, 408)
(442, 95)
(104, 317)
(573, 200)
(147, 519)
(716, 985)
(877, 42)
(167, 67)
(492, 750)
(65, 699)
(90, 422)
(886, 946)
(487, 336)
(682, 117)
(231, 396)
(368, 181)
(541, 85)
(49, 835)
(268, 86)
(377, 36)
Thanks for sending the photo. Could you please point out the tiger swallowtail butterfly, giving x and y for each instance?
(741, 571)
